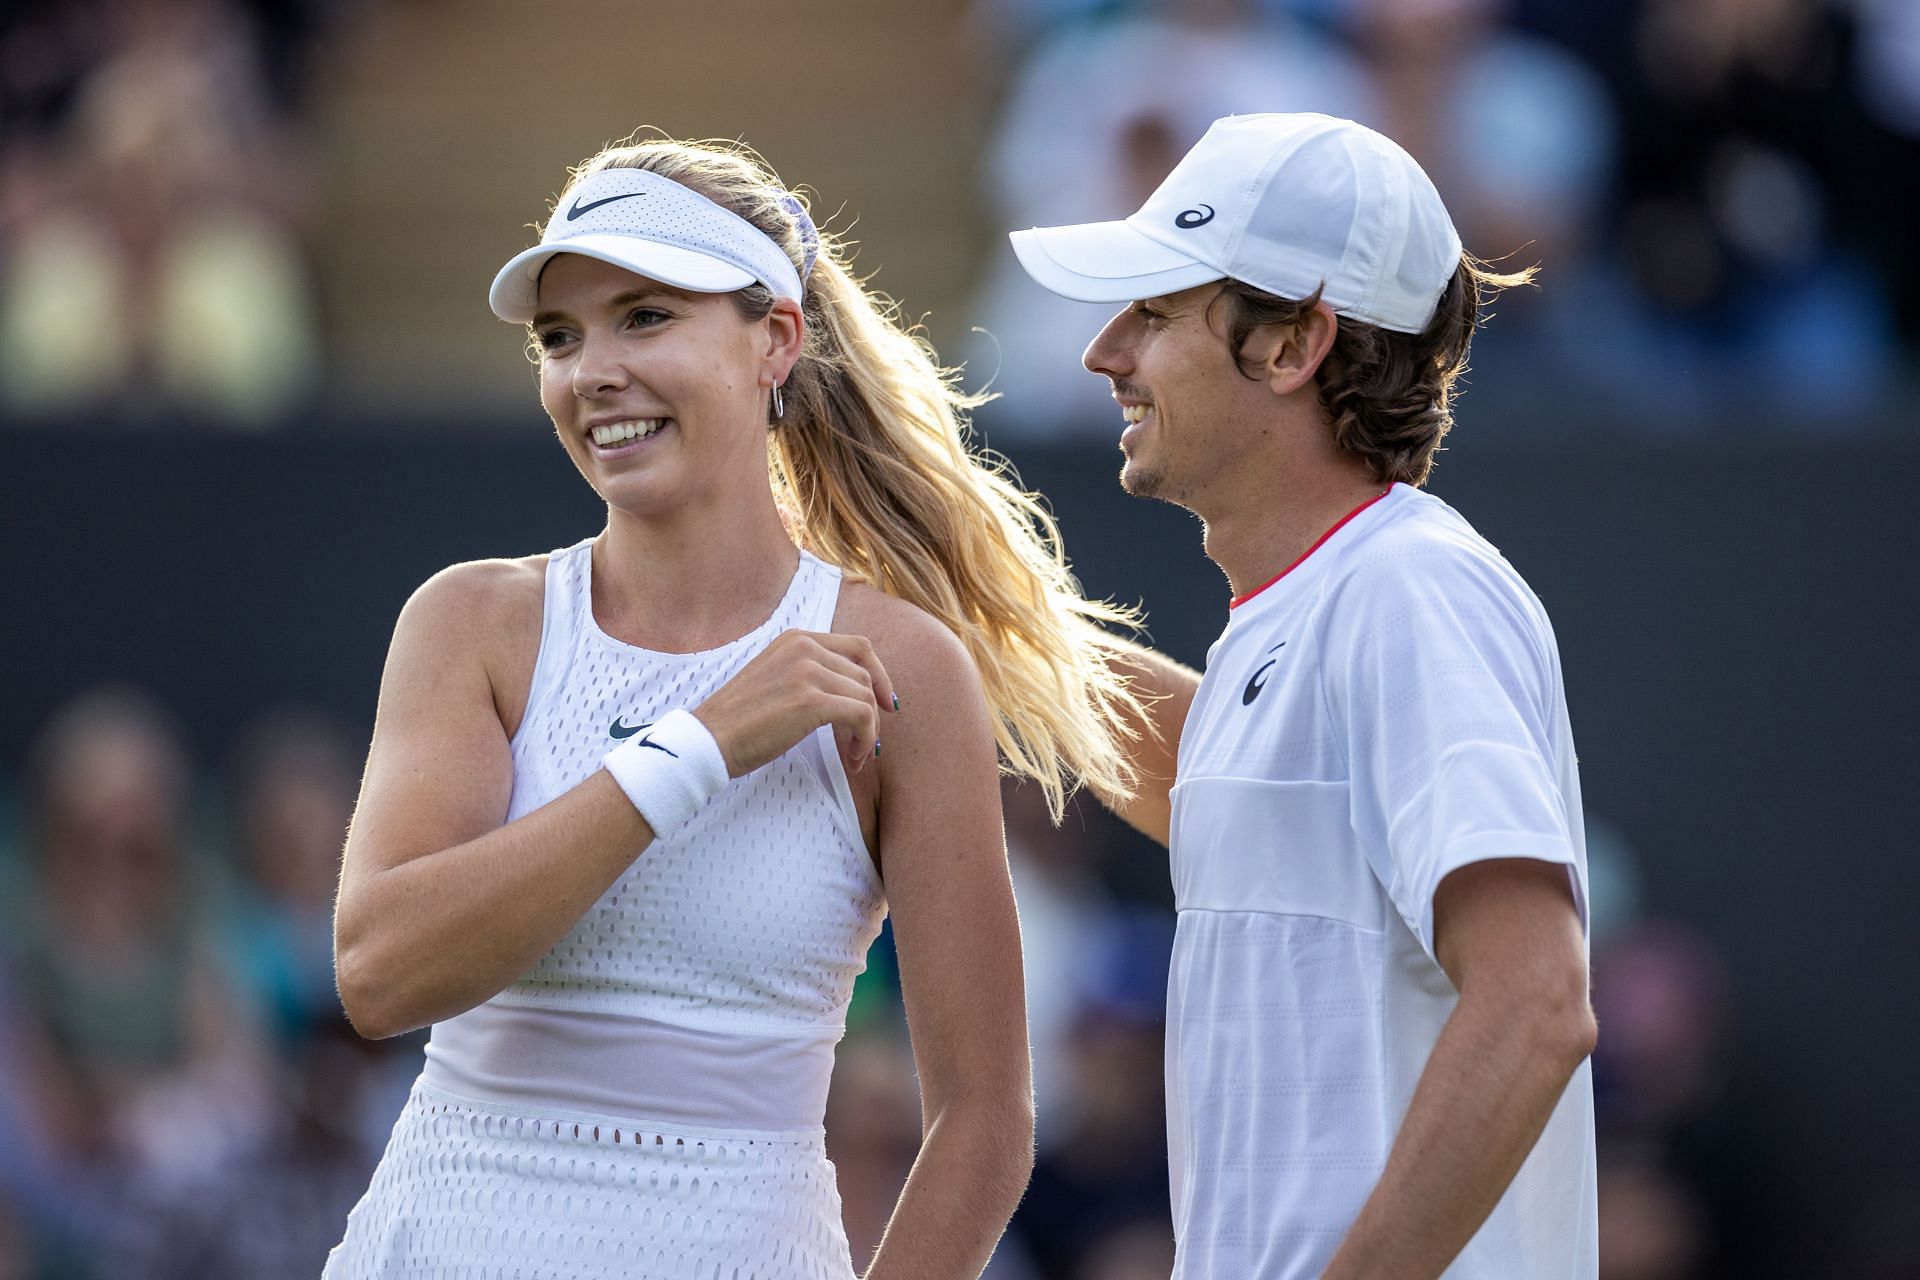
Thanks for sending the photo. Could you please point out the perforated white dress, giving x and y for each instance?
(647, 1100)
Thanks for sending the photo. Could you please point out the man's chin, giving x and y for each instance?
(1140, 481)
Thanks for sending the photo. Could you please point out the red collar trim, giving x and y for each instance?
(1340, 524)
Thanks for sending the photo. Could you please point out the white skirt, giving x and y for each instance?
(476, 1191)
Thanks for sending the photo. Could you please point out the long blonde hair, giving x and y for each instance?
(872, 466)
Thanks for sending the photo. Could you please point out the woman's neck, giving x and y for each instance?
(688, 581)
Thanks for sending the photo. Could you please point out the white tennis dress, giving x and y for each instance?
(647, 1100)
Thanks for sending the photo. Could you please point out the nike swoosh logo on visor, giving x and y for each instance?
(591, 205)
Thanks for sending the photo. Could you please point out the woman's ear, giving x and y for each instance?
(786, 334)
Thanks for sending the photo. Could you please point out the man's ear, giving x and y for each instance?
(1290, 355)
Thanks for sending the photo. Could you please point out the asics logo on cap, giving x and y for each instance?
(579, 208)
(1191, 218)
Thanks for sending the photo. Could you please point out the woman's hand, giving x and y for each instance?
(804, 679)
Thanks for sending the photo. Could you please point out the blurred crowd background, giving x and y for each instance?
(244, 247)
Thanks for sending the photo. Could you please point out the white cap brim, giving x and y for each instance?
(1107, 262)
(515, 294)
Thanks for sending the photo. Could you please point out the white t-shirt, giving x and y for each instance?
(1387, 711)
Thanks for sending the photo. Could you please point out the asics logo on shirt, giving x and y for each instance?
(1259, 681)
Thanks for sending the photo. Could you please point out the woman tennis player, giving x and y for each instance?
(634, 810)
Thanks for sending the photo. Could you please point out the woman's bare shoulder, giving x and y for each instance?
(480, 596)
(484, 613)
(929, 665)
(899, 627)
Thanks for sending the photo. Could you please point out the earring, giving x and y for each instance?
(779, 405)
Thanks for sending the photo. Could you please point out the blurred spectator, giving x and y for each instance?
(1103, 1179)
(1615, 880)
(1517, 133)
(1092, 123)
(150, 246)
(1595, 32)
(873, 1133)
(1096, 972)
(126, 1049)
(277, 1205)
(1063, 911)
(1143, 1251)
(1650, 1227)
(1887, 70)
(15, 1260)
(1748, 189)
(46, 49)
(294, 779)
(1017, 24)
(1685, 1140)
(1889, 61)
(1660, 996)
(1519, 136)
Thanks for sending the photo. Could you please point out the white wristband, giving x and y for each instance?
(669, 771)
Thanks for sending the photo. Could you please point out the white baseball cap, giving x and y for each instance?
(654, 227)
(1286, 203)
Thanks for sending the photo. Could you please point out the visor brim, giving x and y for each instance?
(515, 294)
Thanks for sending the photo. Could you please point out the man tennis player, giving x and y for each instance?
(1377, 1019)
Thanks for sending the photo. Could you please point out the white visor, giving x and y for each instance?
(653, 227)
(1107, 262)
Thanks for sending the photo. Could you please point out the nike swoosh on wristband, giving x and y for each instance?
(579, 208)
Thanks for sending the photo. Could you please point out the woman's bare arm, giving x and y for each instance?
(958, 939)
(440, 904)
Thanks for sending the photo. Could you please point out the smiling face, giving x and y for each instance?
(658, 394)
(1192, 416)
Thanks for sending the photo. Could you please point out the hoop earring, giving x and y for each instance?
(778, 407)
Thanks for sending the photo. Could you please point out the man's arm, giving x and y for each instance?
(1508, 935)
(1165, 688)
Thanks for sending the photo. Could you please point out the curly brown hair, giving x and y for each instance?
(1390, 395)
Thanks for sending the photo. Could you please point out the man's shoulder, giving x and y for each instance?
(1426, 564)
(1424, 546)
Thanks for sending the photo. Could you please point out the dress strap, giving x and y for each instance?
(822, 593)
(559, 628)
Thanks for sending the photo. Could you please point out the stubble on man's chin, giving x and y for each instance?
(1141, 482)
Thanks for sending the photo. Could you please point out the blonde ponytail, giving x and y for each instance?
(870, 462)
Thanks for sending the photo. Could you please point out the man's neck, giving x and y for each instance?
(1256, 544)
